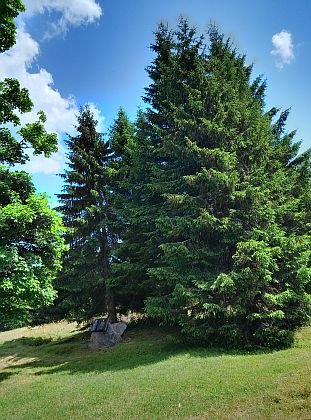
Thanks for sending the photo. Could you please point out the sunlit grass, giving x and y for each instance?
(49, 373)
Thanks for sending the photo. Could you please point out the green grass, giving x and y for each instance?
(49, 373)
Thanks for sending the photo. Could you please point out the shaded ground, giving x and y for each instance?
(49, 373)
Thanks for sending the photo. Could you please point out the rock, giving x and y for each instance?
(119, 327)
(108, 336)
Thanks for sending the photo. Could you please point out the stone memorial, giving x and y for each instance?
(104, 334)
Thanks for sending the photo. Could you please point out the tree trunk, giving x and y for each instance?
(109, 297)
(111, 308)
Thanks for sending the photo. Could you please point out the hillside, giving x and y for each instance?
(48, 372)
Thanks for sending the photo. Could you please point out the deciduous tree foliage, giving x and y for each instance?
(31, 240)
(31, 244)
(15, 99)
(9, 10)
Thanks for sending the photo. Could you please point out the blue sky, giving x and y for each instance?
(72, 52)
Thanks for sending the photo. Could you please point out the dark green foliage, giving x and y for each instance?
(121, 141)
(87, 214)
(130, 281)
(199, 214)
(230, 195)
(13, 98)
(9, 10)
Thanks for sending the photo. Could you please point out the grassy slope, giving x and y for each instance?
(48, 373)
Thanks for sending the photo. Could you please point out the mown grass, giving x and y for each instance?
(49, 373)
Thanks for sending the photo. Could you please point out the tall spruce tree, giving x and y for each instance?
(84, 287)
(233, 227)
(139, 250)
(122, 144)
(138, 209)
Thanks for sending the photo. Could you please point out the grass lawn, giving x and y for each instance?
(49, 373)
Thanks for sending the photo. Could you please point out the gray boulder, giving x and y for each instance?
(105, 335)
(119, 328)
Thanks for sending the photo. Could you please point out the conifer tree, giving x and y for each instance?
(234, 266)
(139, 250)
(122, 141)
(85, 204)
(137, 210)
(122, 144)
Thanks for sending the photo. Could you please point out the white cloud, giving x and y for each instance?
(52, 165)
(283, 48)
(98, 117)
(70, 13)
(61, 112)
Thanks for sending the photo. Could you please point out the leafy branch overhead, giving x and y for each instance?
(15, 100)
(31, 241)
(9, 10)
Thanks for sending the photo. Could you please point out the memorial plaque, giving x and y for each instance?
(100, 325)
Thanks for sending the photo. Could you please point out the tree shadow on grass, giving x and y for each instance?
(140, 347)
(5, 375)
